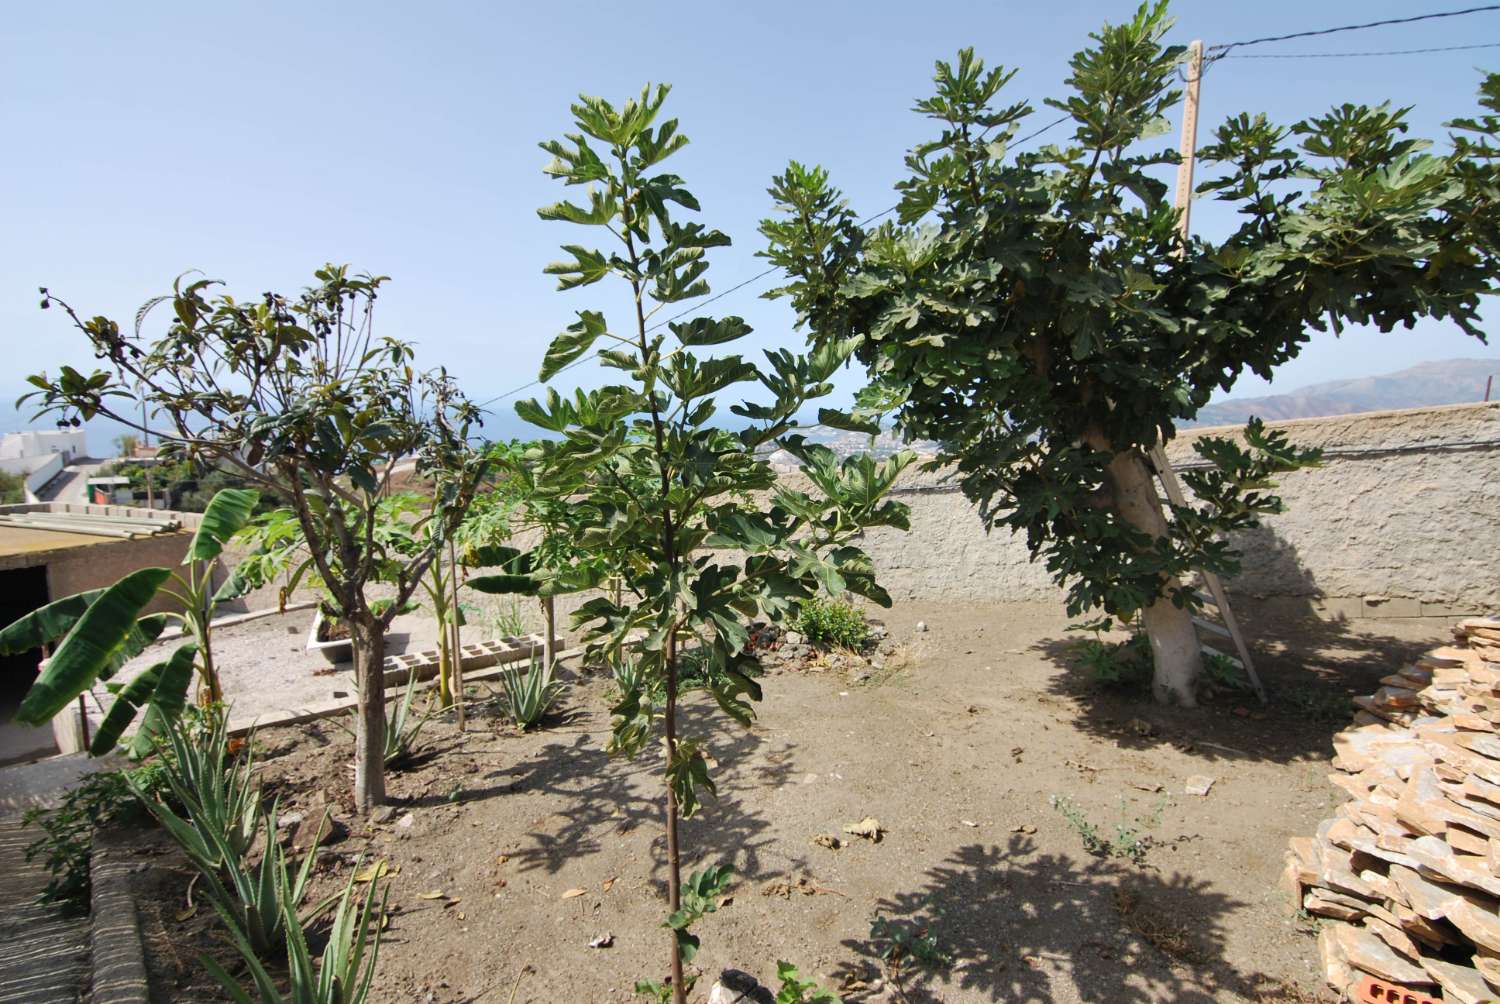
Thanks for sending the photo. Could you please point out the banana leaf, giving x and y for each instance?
(167, 700)
(161, 689)
(227, 513)
(87, 649)
(47, 624)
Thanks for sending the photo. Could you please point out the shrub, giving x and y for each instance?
(832, 622)
(796, 990)
(214, 788)
(101, 800)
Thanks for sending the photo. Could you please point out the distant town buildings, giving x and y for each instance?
(40, 455)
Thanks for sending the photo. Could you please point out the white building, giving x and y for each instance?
(38, 455)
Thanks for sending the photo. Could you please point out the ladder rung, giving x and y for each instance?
(1210, 650)
(1218, 629)
(1206, 598)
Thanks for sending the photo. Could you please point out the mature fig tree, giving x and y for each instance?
(299, 395)
(689, 517)
(1038, 315)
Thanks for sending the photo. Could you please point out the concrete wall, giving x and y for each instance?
(45, 471)
(104, 564)
(1402, 519)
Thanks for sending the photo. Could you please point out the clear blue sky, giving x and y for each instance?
(256, 141)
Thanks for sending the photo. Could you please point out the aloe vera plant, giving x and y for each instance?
(529, 695)
(342, 974)
(401, 727)
(253, 898)
(216, 791)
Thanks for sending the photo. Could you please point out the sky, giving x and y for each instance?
(256, 141)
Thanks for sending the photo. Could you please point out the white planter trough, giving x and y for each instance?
(336, 651)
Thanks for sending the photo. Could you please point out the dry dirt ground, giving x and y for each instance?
(958, 755)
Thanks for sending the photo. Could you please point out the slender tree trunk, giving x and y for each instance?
(674, 858)
(369, 735)
(1174, 640)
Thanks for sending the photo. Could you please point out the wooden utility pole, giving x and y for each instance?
(1188, 148)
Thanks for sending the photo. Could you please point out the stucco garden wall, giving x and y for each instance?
(1402, 519)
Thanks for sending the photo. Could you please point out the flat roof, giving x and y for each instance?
(21, 546)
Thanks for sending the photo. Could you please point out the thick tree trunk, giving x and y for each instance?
(369, 734)
(1174, 640)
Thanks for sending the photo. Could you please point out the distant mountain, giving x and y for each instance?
(1448, 381)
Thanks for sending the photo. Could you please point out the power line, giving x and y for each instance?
(1346, 55)
(1220, 50)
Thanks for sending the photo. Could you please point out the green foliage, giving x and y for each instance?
(12, 488)
(1319, 704)
(297, 395)
(402, 728)
(101, 800)
(700, 896)
(253, 898)
(1036, 313)
(659, 992)
(832, 622)
(1220, 672)
(795, 990)
(1124, 664)
(215, 789)
(1130, 841)
(636, 485)
(343, 973)
(98, 631)
(529, 695)
(913, 941)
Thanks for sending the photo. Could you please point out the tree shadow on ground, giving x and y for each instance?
(607, 797)
(1017, 923)
(1311, 665)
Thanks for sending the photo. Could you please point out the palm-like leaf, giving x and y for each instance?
(227, 514)
(87, 649)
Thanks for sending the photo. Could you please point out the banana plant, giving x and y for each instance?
(97, 632)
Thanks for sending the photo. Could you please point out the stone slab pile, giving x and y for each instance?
(1407, 873)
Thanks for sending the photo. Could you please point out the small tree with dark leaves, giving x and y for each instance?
(1039, 316)
(688, 517)
(299, 395)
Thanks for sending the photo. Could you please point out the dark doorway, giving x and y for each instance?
(22, 590)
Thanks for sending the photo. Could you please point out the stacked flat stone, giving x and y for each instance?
(1407, 873)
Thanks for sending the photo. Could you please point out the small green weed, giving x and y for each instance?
(796, 990)
(1319, 704)
(832, 622)
(101, 800)
(913, 941)
(661, 993)
(1221, 673)
(509, 622)
(1122, 665)
(1130, 841)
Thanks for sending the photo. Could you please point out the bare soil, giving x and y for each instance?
(957, 747)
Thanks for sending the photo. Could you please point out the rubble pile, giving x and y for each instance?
(1408, 870)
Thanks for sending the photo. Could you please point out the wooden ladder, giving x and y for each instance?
(1226, 626)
